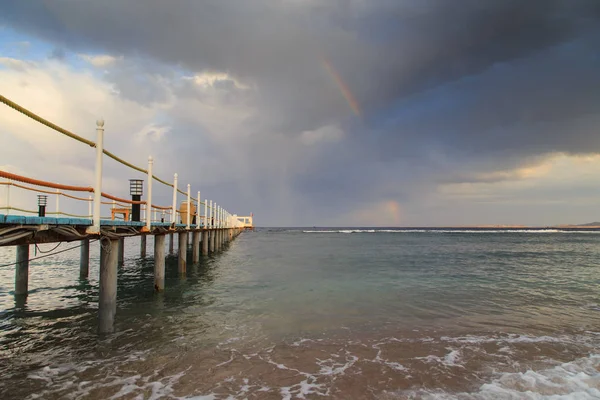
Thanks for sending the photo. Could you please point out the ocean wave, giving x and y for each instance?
(579, 379)
(457, 231)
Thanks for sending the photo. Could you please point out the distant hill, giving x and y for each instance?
(590, 224)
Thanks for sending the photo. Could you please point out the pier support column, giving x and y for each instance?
(159, 263)
(230, 235)
(107, 307)
(84, 261)
(171, 243)
(121, 251)
(204, 242)
(196, 247)
(143, 246)
(211, 245)
(22, 270)
(182, 264)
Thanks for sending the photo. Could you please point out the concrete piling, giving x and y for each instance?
(211, 246)
(22, 270)
(143, 246)
(182, 261)
(84, 261)
(171, 243)
(159, 263)
(107, 307)
(121, 260)
(196, 247)
(205, 242)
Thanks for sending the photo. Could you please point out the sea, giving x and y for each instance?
(316, 313)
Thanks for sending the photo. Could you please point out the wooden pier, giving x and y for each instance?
(204, 225)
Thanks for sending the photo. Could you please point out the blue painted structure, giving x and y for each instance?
(34, 220)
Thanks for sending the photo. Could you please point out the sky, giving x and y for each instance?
(317, 113)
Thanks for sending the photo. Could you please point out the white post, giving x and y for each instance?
(95, 228)
(114, 204)
(173, 210)
(90, 205)
(189, 208)
(8, 196)
(210, 210)
(205, 213)
(149, 197)
(198, 212)
(57, 202)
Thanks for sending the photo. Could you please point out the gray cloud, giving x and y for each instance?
(444, 87)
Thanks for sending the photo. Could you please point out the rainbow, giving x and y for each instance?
(343, 87)
(394, 209)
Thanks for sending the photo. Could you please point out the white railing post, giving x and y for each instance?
(8, 185)
(57, 202)
(173, 210)
(90, 201)
(189, 208)
(198, 212)
(205, 213)
(95, 228)
(149, 197)
(211, 214)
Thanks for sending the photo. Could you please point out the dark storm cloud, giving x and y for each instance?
(445, 87)
(383, 49)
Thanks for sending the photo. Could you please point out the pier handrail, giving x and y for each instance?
(72, 135)
(221, 217)
(37, 182)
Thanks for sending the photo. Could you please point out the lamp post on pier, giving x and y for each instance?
(42, 202)
(136, 189)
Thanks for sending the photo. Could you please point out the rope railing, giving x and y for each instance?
(9, 183)
(43, 121)
(119, 201)
(37, 182)
(68, 214)
(215, 212)
(18, 209)
(115, 198)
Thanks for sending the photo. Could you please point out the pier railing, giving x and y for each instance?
(207, 213)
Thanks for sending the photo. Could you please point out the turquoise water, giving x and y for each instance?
(283, 313)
